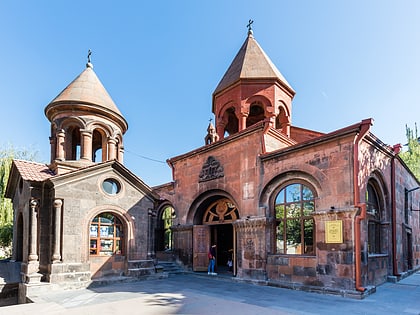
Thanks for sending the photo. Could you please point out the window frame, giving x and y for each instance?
(374, 211)
(99, 242)
(308, 248)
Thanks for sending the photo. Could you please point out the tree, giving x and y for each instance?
(411, 157)
(6, 208)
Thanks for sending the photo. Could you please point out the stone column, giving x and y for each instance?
(53, 148)
(33, 252)
(220, 130)
(56, 257)
(112, 149)
(121, 154)
(150, 237)
(242, 121)
(60, 136)
(86, 145)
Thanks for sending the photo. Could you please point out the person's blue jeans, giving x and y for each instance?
(211, 265)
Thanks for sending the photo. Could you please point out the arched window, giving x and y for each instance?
(374, 219)
(294, 206)
(106, 235)
(232, 122)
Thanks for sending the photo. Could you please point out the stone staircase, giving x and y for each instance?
(140, 268)
(167, 263)
(170, 267)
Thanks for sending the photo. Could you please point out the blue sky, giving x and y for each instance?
(161, 60)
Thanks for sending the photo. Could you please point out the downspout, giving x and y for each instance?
(396, 149)
(364, 129)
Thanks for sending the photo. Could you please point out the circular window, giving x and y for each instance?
(111, 186)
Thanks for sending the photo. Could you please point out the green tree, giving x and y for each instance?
(411, 157)
(7, 155)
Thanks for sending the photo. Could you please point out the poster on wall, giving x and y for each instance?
(334, 232)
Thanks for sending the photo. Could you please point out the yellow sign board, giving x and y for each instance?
(334, 231)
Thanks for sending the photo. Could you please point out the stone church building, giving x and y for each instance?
(291, 207)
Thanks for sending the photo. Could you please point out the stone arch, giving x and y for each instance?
(230, 121)
(283, 117)
(73, 140)
(202, 202)
(268, 193)
(258, 108)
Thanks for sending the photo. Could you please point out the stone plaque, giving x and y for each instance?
(334, 231)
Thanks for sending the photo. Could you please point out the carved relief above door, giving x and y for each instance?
(221, 211)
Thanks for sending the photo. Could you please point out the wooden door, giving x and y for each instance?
(201, 244)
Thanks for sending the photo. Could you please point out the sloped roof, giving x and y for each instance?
(251, 62)
(32, 171)
(87, 88)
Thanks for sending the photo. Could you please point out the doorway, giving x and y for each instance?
(222, 236)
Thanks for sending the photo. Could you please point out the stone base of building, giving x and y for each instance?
(324, 290)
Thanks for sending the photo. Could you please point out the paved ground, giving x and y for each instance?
(192, 294)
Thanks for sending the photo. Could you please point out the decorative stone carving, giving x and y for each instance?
(211, 170)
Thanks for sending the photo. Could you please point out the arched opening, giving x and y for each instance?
(73, 143)
(232, 122)
(213, 226)
(164, 236)
(256, 114)
(98, 146)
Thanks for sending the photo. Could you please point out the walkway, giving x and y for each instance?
(194, 294)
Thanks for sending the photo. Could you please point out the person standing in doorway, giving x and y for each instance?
(212, 260)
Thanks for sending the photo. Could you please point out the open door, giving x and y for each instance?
(201, 243)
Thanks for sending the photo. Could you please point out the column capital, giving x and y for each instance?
(58, 203)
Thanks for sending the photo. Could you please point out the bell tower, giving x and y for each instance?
(252, 90)
(86, 125)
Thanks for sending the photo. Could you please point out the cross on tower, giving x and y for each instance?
(88, 56)
(249, 26)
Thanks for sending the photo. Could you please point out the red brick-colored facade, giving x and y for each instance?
(257, 156)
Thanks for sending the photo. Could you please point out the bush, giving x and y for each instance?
(6, 235)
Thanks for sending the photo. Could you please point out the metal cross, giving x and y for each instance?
(250, 25)
(89, 53)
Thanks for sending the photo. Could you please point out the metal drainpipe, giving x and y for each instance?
(364, 129)
(396, 149)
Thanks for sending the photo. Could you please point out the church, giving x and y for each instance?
(290, 207)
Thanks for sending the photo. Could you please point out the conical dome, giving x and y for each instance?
(251, 62)
(86, 91)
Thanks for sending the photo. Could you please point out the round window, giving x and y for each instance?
(111, 186)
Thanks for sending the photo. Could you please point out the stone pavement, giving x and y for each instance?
(202, 294)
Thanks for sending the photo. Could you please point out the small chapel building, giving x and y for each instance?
(333, 212)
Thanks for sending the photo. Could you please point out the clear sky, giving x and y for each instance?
(161, 60)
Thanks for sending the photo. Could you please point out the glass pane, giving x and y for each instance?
(107, 231)
(308, 208)
(93, 230)
(93, 247)
(309, 237)
(280, 197)
(106, 247)
(118, 231)
(307, 193)
(280, 238)
(293, 210)
(293, 234)
(293, 193)
(118, 247)
(280, 211)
